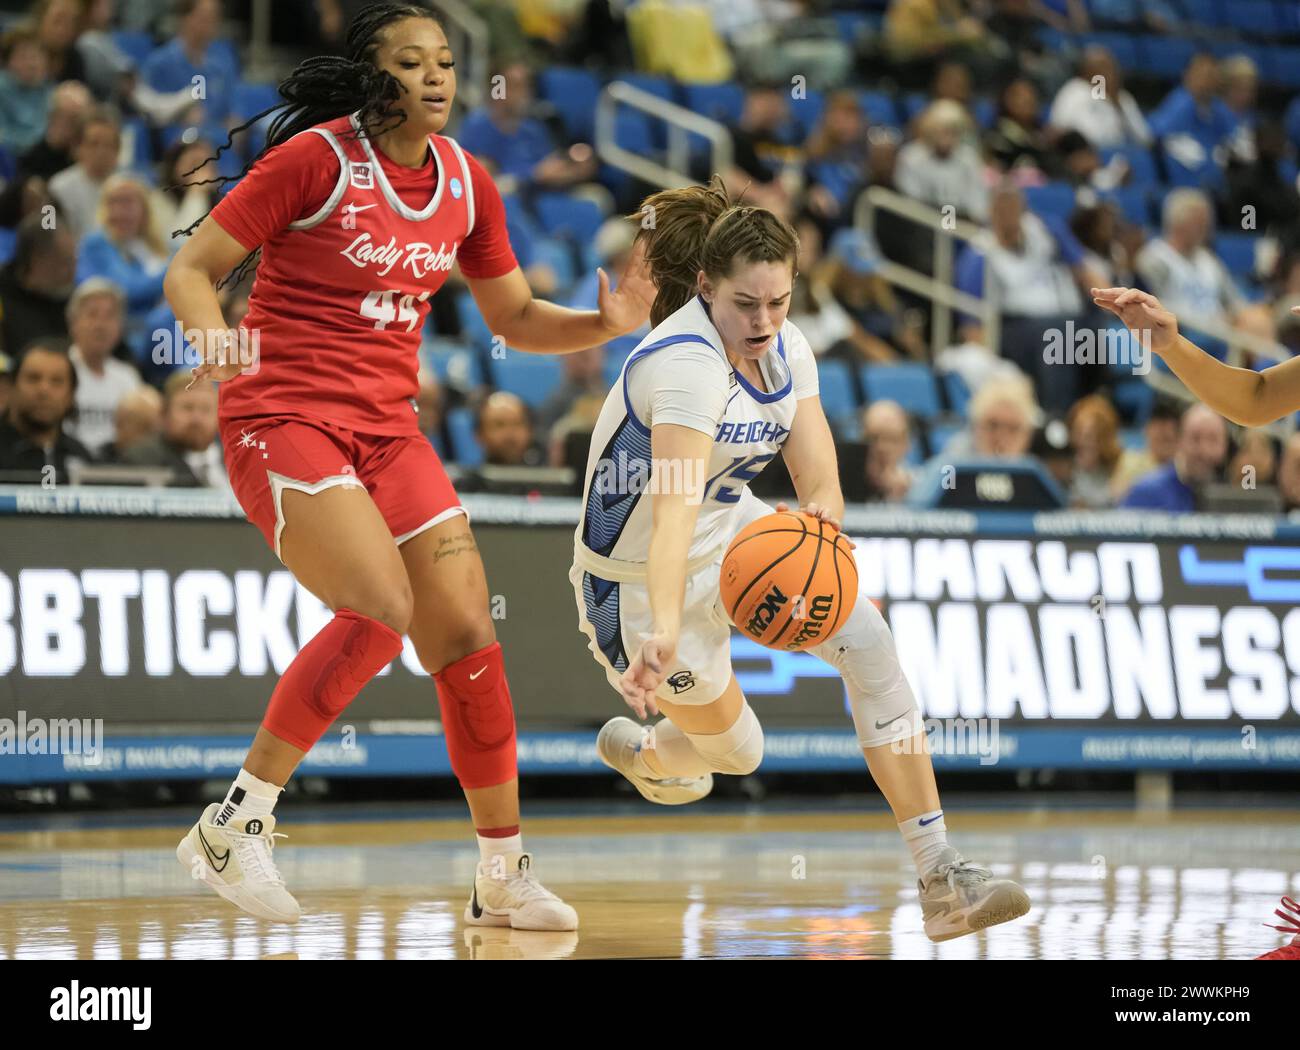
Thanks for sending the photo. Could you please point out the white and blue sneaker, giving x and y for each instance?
(958, 897)
(617, 745)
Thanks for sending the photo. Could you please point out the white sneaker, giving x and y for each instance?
(484, 942)
(235, 860)
(507, 893)
(617, 744)
(958, 897)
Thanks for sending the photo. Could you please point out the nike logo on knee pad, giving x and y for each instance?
(478, 672)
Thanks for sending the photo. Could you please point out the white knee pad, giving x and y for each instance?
(739, 750)
(862, 650)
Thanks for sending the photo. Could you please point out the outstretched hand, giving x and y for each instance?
(1141, 312)
(627, 307)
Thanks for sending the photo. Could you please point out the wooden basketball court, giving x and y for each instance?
(806, 882)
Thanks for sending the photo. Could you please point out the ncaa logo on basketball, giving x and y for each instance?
(681, 681)
(457, 190)
(361, 175)
(770, 605)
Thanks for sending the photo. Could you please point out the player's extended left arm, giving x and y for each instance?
(810, 457)
(540, 327)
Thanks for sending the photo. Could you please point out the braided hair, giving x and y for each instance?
(322, 89)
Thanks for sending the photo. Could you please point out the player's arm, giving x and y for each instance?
(1242, 395)
(540, 327)
(679, 458)
(190, 288)
(809, 453)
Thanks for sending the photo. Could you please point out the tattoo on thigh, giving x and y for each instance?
(450, 546)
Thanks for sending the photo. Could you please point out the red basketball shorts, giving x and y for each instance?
(403, 475)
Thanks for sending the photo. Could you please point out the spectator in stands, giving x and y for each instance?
(1288, 474)
(190, 54)
(1161, 442)
(1192, 123)
(128, 249)
(1239, 77)
(25, 89)
(880, 329)
(95, 314)
(138, 421)
(78, 189)
(1199, 459)
(758, 150)
(1181, 270)
(916, 31)
(1003, 416)
(1263, 188)
(938, 168)
(888, 438)
(69, 105)
(901, 240)
(1254, 463)
(1037, 272)
(1109, 242)
(515, 144)
(1095, 104)
(105, 63)
(584, 375)
(58, 24)
(188, 442)
(183, 200)
(1080, 164)
(6, 381)
(836, 159)
(569, 440)
(32, 436)
(504, 428)
(952, 81)
(1094, 436)
(1017, 138)
(35, 286)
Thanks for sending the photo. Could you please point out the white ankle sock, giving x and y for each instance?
(673, 751)
(489, 847)
(926, 837)
(247, 797)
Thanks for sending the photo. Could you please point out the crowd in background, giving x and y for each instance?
(1042, 123)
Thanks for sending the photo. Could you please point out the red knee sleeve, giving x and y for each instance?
(324, 677)
(478, 719)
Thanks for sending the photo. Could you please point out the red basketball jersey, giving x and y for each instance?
(341, 295)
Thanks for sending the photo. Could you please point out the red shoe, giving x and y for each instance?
(1292, 920)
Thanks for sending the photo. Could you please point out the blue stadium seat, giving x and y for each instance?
(8, 242)
(1292, 121)
(1204, 13)
(250, 99)
(958, 392)
(1053, 199)
(835, 383)
(660, 87)
(634, 130)
(454, 365)
(532, 377)
(1281, 66)
(573, 94)
(1237, 251)
(1258, 17)
(909, 106)
(576, 218)
(912, 385)
(806, 112)
(854, 26)
(465, 448)
(134, 43)
(1134, 398)
(1134, 203)
(986, 112)
(1164, 56)
(1122, 45)
(721, 102)
(1140, 162)
(617, 352)
(472, 325)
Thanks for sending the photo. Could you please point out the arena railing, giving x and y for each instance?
(939, 288)
(681, 122)
(946, 297)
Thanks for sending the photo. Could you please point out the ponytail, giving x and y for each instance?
(322, 89)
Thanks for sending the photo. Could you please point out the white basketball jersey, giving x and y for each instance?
(680, 374)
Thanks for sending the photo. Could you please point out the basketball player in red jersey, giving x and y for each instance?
(360, 207)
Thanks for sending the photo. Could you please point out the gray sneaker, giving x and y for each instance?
(958, 897)
(617, 745)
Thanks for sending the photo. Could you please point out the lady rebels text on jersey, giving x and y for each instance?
(353, 245)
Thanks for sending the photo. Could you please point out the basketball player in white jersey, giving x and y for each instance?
(722, 385)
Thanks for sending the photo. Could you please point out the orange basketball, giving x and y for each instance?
(789, 580)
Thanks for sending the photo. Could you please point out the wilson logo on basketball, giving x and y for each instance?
(771, 604)
(817, 612)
